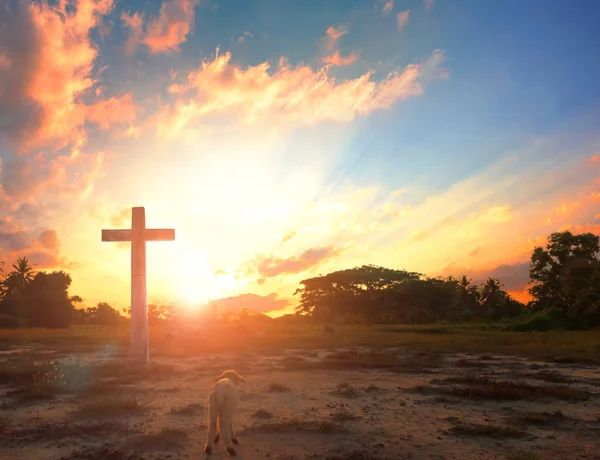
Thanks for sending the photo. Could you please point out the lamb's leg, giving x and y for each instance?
(218, 435)
(234, 438)
(212, 427)
(225, 420)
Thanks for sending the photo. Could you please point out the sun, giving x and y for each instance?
(192, 294)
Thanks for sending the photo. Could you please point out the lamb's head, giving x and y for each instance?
(232, 376)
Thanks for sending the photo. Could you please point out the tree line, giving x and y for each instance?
(565, 291)
(39, 299)
(564, 278)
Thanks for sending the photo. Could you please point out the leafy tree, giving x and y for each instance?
(76, 299)
(105, 315)
(162, 313)
(44, 301)
(361, 290)
(566, 277)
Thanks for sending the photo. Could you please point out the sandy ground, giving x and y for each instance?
(350, 404)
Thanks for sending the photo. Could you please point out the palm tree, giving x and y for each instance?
(22, 270)
(490, 292)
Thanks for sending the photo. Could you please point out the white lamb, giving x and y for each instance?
(222, 401)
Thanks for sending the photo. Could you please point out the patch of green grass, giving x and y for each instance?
(187, 410)
(279, 388)
(488, 429)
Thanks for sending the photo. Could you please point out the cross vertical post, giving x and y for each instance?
(138, 235)
(139, 305)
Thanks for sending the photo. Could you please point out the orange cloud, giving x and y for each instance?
(331, 42)
(49, 239)
(298, 95)
(402, 19)
(50, 68)
(42, 250)
(338, 61)
(428, 5)
(166, 32)
(271, 266)
(112, 111)
(333, 36)
(387, 8)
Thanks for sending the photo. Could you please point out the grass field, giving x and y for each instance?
(472, 338)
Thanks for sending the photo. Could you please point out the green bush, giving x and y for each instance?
(548, 320)
(12, 322)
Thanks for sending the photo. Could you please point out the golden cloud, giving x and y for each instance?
(164, 33)
(299, 95)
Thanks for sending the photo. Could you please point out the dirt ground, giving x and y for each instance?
(338, 404)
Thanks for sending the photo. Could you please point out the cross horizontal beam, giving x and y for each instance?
(150, 234)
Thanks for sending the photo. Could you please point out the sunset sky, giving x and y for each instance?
(287, 139)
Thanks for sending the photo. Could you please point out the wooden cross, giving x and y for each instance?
(138, 235)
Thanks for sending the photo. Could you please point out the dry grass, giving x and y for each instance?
(105, 452)
(371, 388)
(539, 418)
(342, 414)
(165, 439)
(525, 456)
(4, 423)
(470, 363)
(346, 390)
(262, 414)
(36, 381)
(488, 429)
(110, 406)
(551, 376)
(487, 339)
(485, 387)
(298, 424)
(187, 409)
(52, 431)
(359, 454)
(279, 388)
